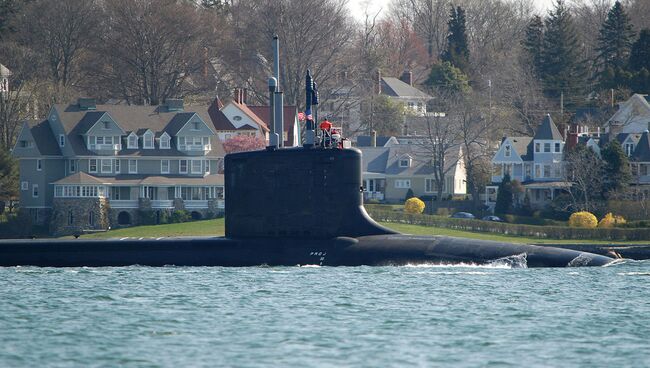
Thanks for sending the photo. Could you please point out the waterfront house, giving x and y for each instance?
(91, 167)
(536, 162)
(633, 116)
(389, 172)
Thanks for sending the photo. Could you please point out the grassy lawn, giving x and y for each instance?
(216, 228)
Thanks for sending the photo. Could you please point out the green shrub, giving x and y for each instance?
(164, 217)
(17, 225)
(147, 217)
(547, 232)
(180, 216)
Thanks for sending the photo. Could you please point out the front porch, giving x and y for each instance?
(540, 194)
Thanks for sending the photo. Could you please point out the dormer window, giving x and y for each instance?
(106, 125)
(557, 147)
(164, 141)
(147, 140)
(132, 141)
(405, 162)
(196, 125)
(507, 151)
(547, 147)
(629, 148)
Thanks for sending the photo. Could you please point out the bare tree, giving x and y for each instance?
(583, 171)
(150, 48)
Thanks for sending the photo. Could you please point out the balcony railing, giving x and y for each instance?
(166, 204)
(162, 204)
(116, 203)
(195, 147)
(105, 147)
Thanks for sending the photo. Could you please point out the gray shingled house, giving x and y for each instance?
(90, 167)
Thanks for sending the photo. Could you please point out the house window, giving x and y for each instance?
(557, 147)
(39, 165)
(107, 166)
(164, 166)
(147, 141)
(182, 166)
(133, 166)
(547, 171)
(91, 218)
(643, 169)
(557, 170)
(507, 150)
(196, 166)
(24, 185)
(206, 166)
(92, 165)
(35, 190)
(117, 166)
(196, 126)
(70, 218)
(429, 185)
(25, 144)
(227, 136)
(629, 148)
(405, 162)
(538, 171)
(73, 166)
(132, 142)
(402, 183)
(547, 147)
(164, 142)
(107, 125)
(61, 140)
(537, 147)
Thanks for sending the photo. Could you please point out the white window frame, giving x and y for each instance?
(180, 166)
(431, 184)
(106, 163)
(507, 151)
(206, 166)
(538, 147)
(196, 126)
(558, 147)
(162, 170)
(402, 183)
(39, 165)
(131, 170)
(24, 185)
(90, 165)
(147, 140)
(72, 166)
(117, 166)
(106, 125)
(165, 142)
(132, 141)
(402, 160)
(547, 145)
(35, 192)
(199, 169)
(61, 140)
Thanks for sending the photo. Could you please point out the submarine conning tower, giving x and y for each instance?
(313, 193)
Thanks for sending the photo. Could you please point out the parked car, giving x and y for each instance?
(463, 215)
(492, 218)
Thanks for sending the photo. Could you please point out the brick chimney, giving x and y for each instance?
(407, 77)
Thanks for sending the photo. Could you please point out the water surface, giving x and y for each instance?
(458, 316)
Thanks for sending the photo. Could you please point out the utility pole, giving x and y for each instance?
(490, 97)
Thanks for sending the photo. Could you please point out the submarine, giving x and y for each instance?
(288, 207)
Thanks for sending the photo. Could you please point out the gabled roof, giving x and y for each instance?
(635, 106)
(642, 151)
(394, 87)
(4, 72)
(79, 178)
(376, 158)
(246, 110)
(290, 114)
(44, 139)
(548, 130)
(523, 146)
(366, 141)
(178, 122)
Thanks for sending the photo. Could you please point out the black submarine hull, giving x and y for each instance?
(375, 250)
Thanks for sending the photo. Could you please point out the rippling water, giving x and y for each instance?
(329, 316)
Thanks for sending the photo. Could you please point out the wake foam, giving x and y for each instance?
(582, 259)
(515, 261)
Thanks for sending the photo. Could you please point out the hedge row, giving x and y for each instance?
(548, 232)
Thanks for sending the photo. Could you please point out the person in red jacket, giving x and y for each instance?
(325, 128)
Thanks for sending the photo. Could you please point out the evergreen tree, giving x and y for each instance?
(448, 79)
(504, 196)
(640, 54)
(614, 44)
(533, 44)
(8, 178)
(563, 70)
(457, 52)
(639, 63)
(617, 168)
